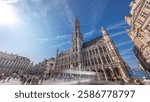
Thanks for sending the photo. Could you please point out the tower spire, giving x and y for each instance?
(77, 36)
(77, 42)
(76, 21)
(77, 24)
(103, 30)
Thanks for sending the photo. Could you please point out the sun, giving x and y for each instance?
(7, 15)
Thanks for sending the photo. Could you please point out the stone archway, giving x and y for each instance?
(101, 74)
(96, 76)
(109, 74)
(117, 72)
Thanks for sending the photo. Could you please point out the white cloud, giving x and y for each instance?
(36, 8)
(116, 25)
(126, 51)
(117, 33)
(89, 33)
(9, 1)
(128, 57)
(44, 11)
(123, 43)
(121, 27)
(41, 8)
(98, 8)
(60, 44)
(41, 40)
(36, 0)
(64, 10)
(57, 37)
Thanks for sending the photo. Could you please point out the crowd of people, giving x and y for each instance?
(38, 79)
(23, 78)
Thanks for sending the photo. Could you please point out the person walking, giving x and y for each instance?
(29, 80)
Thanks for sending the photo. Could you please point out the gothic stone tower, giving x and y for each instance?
(98, 56)
(77, 42)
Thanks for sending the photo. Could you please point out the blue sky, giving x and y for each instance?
(42, 26)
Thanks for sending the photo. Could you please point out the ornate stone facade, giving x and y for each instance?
(139, 20)
(98, 56)
(10, 63)
(44, 67)
(50, 65)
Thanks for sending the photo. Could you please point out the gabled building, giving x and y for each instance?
(99, 56)
(139, 32)
(11, 63)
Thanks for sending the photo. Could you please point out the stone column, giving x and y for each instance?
(104, 54)
(8, 63)
(15, 65)
(0, 61)
(5, 66)
(26, 66)
(11, 62)
(106, 59)
(94, 56)
(8, 66)
(3, 63)
(97, 74)
(20, 66)
(97, 55)
(23, 67)
(100, 56)
(105, 75)
(109, 55)
(89, 57)
(12, 66)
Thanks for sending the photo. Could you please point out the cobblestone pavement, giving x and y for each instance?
(47, 82)
(11, 82)
(58, 82)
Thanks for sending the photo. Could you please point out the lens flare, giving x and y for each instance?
(7, 15)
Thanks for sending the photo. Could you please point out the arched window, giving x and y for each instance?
(90, 52)
(100, 49)
(109, 74)
(108, 59)
(99, 60)
(104, 60)
(104, 49)
(85, 64)
(93, 52)
(88, 62)
(92, 61)
(95, 61)
(96, 50)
